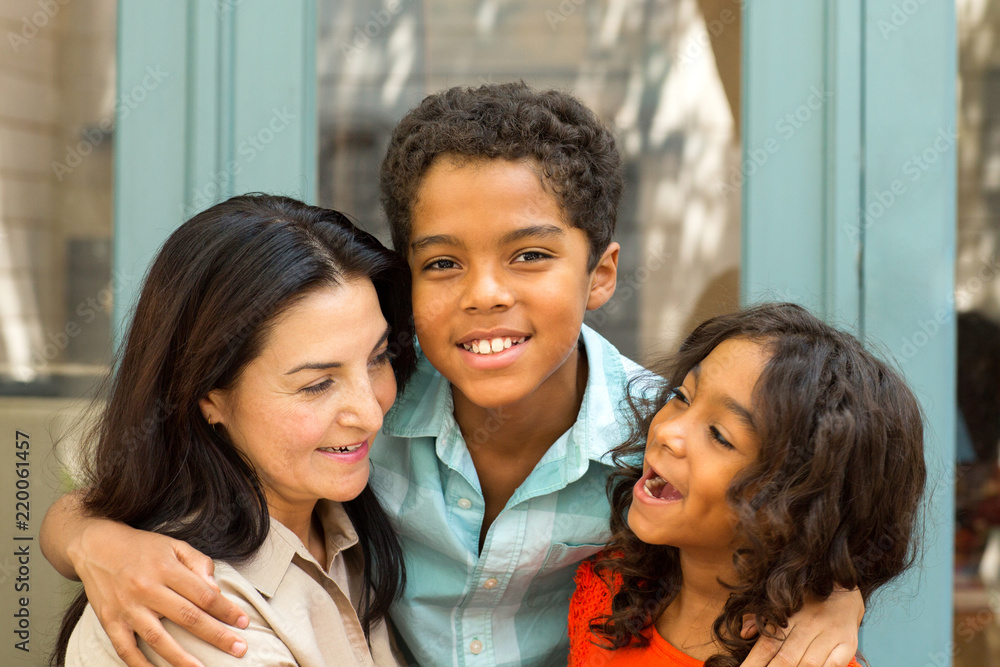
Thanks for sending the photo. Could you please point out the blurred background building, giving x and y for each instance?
(803, 151)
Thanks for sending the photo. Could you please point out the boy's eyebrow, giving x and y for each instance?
(324, 365)
(534, 231)
(436, 239)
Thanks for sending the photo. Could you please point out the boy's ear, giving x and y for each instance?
(604, 278)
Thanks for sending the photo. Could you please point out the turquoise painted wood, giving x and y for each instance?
(231, 109)
(839, 218)
(800, 156)
(910, 149)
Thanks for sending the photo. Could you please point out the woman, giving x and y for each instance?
(256, 371)
(780, 460)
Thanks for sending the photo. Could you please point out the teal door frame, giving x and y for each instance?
(849, 208)
(215, 97)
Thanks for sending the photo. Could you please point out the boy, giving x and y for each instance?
(503, 200)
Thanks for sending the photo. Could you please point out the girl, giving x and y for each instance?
(782, 460)
(254, 376)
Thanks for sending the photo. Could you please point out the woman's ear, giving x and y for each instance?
(213, 406)
(604, 278)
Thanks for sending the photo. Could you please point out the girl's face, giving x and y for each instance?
(306, 410)
(698, 441)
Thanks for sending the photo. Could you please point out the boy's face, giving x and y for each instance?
(494, 260)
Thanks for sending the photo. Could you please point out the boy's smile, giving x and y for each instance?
(500, 280)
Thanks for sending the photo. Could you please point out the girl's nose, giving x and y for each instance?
(671, 434)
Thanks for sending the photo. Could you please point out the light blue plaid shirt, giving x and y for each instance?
(507, 605)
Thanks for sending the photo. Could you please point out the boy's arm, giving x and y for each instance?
(134, 578)
(824, 634)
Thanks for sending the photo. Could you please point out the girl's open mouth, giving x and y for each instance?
(652, 487)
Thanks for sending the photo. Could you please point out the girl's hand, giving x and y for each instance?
(134, 578)
(822, 634)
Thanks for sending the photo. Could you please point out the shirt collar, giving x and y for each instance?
(267, 567)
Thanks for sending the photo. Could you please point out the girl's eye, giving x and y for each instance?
(676, 393)
(440, 265)
(718, 437)
(318, 388)
(532, 256)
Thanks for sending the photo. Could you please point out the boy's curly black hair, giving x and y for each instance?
(576, 154)
(832, 499)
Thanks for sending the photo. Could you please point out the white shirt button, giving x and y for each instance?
(476, 647)
(464, 503)
(490, 583)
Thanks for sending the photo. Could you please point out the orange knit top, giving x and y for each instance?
(591, 599)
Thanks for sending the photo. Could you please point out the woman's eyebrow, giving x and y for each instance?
(324, 365)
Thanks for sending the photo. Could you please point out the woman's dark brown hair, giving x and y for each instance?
(205, 312)
(832, 499)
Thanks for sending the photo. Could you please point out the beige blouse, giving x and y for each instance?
(300, 613)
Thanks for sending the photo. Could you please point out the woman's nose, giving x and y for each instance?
(362, 409)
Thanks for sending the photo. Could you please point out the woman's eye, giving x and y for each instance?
(318, 388)
(718, 437)
(440, 265)
(382, 359)
(531, 256)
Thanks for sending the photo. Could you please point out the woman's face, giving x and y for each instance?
(698, 441)
(306, 410)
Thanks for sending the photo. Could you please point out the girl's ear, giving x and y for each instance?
(213, 406)
(604, 278)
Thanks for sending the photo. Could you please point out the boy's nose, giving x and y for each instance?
(486, 291)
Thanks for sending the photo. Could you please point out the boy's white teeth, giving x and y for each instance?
(492, 346)
(341, 450)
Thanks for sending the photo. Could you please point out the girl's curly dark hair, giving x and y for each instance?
(577, 155)
(832, 499)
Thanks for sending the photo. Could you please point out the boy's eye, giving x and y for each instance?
(532, 256)
(440, 265)
(318, 388)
